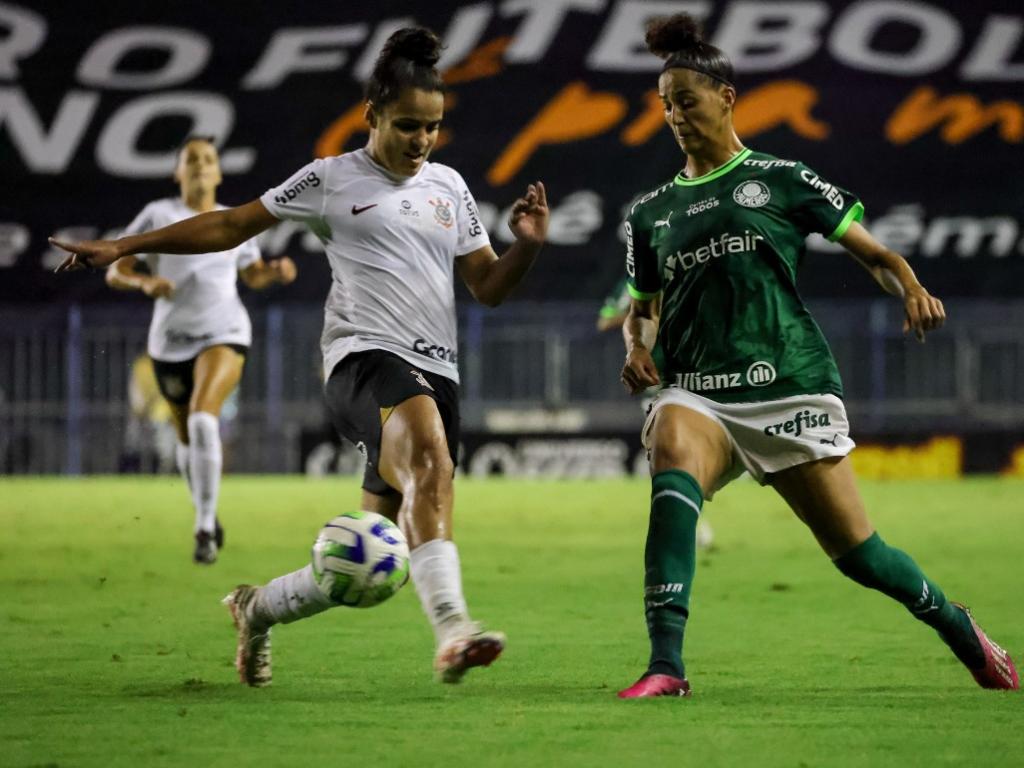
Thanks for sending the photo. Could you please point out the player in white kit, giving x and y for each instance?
(395, 228)
(200, 330)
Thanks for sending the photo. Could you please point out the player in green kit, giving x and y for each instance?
(748, 381)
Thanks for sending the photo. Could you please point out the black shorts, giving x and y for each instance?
(176, 380)
(363, 384)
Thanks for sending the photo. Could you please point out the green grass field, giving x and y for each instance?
(115, 650)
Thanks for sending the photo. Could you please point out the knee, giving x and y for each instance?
(203, 430)
(672, 451)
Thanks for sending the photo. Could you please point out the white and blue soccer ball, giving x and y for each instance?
(360, 559)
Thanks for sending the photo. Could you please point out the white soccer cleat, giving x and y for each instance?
(460, 653)
(252, 659)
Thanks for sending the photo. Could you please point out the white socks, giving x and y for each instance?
(289, 598)
(204, 467)
(438, 578)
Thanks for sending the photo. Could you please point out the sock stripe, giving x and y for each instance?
(677, 495)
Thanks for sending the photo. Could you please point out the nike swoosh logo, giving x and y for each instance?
(356, 210)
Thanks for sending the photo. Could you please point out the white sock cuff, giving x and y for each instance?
(431, 549)
(203, 431)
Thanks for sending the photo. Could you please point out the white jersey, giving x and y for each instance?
(204, 309)
(392, 243)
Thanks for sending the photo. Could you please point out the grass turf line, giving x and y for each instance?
(114, 649)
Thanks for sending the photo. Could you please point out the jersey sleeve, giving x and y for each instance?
(472, 235)
(302, 197)
(819, 206)
(643, 279)
(143, 222)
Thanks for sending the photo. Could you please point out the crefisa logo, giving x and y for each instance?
(752, 194)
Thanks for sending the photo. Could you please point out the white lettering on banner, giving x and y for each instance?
(26, 32)
(761, 37)
(577, 216)
(211, 114)
(621, 46)
(14, 239)
(992, 54)
(543, 20)
(575, 458)
(41, 150)
(905, 229)
(364, 67)
(188, 53)
(968, 234)
(295, 49)
(464, 33)
(937, 43)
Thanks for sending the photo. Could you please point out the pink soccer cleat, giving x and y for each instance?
(999, 672)
(657, 685)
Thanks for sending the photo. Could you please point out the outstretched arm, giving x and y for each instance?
(491, 279)
(923, 312)
(205, 233)
(640, 332)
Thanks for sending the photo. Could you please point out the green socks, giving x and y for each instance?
(669, 565)
(876, 565)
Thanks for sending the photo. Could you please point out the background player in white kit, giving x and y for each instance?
(394, 228)
(200, 330)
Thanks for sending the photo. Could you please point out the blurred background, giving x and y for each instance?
(918, 108)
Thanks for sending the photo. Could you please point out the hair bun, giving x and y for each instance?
(680, 33)
(417, 44)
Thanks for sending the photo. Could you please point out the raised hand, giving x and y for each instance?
(530, 215)
(87, 254)
(284, 270)
(922, 312)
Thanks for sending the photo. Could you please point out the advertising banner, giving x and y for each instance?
(918, 108)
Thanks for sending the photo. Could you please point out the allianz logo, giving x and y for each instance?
(716, 247)
(759, 374)
(795, 426)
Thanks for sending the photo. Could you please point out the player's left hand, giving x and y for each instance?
(923, 312)
(530, 215)
(87, 254)
(284, 270)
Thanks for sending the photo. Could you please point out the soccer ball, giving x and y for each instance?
(360, 559)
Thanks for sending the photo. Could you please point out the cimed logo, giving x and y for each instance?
(751, 194)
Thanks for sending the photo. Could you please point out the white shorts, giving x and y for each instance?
(768, 436)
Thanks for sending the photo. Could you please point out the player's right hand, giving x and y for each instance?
(157, 287)
(639, 372)
(87, 254)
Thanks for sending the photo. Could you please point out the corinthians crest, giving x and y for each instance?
(443, 212)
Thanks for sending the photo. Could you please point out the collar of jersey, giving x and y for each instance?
(719, 171)
(393, 177)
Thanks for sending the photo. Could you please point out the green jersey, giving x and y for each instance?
(723, 250)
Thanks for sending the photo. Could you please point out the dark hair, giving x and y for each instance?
(406, 61)
(679, 40)
(188, 140)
